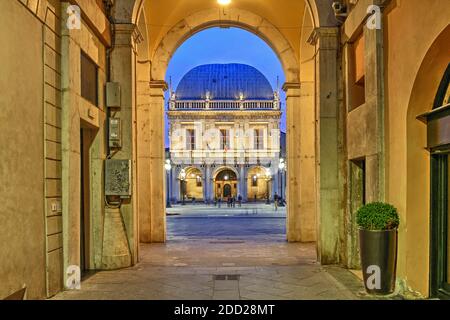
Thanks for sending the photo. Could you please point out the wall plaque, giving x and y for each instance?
(118, 178)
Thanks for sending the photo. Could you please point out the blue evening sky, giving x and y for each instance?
(232, 45)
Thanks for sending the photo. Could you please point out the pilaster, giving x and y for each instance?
(300, 195)
(207, 184)
(374, 80)
(123, 71)
(329, 144)
(151, 157)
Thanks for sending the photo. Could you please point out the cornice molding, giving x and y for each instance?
(159, 84)
(290, 86)
(322, 33)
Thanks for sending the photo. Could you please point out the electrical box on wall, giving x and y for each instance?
(118, 178)
(113, 95)
(115, 133)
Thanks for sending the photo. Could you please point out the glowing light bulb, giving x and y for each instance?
(224, 2)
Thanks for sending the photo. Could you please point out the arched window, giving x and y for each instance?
(443, 94)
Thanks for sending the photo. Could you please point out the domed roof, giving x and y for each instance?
(224, 82)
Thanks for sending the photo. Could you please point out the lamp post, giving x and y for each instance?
(182, 181)
(281, 166)
(268, 178)
(168, 168)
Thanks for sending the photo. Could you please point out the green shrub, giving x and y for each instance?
(377, 216)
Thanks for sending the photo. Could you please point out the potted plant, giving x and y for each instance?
(378, 224)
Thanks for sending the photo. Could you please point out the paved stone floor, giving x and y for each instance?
(224, 270)
(250, 220)
(206, 258)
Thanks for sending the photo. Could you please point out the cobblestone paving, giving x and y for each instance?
(222, 269)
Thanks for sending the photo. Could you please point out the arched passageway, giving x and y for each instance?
(258, 184)
(191, 184)
(225, 184)
(367, 109)
(313, 196)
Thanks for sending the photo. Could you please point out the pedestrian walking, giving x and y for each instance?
(275, 201)
(240, 201)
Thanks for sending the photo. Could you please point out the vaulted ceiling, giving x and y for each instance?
(286, 15)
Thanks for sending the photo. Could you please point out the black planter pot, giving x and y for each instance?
(379, 260)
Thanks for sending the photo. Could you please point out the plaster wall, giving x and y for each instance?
(410, 33)
(22, 240)
(79, 114)
(164, 14)
(31, 89)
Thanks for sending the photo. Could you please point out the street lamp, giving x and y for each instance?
(281, 166)
(168, 168)
(182, 181)
(268, 178)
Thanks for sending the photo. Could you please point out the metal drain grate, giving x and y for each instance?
(224, 277)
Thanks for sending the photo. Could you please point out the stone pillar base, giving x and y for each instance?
(116, 252)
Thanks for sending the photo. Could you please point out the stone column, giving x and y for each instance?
(244, 194)
(151, 157)
(374, 92)
(207, 186)
(330, 165)
(123, 71)
(275, 181)
(300, 193)
(175, 185)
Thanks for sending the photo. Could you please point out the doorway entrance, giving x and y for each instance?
(85, 143)
(440, 191)
(191, 188)
(258, 184)
(440, 242)
(225, 184)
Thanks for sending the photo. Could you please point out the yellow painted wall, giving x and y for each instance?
(192, 190)
(260, 191)
(22, 236)
(412, 26)
(163, 14)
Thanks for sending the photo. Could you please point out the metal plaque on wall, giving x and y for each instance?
(118, 178)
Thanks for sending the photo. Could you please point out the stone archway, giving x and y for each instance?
(226, 180)
(328, 202)
(238, 18)
(301, 213)
(193, 184)
(258, 184)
